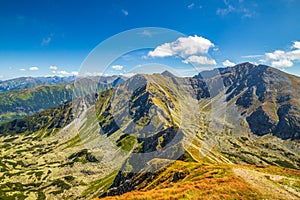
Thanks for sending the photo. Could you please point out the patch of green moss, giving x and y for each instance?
(127, 143)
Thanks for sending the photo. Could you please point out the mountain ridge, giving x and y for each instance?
(161, 125)
(43, 93)
(240, 108)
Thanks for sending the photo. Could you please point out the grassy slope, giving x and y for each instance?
(26, 102)
(38, 165)
(217, 181)
(20, 103)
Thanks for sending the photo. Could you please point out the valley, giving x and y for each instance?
(158, 136)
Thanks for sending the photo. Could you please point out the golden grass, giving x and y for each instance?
(201, 182)
(275, 170)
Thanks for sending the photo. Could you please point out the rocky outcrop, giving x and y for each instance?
(260, 123)
(268, 96)
(288, 126)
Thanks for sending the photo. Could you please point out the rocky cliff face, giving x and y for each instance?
(268, 97)
(253, 118)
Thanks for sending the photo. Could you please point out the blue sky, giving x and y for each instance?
(38, 38)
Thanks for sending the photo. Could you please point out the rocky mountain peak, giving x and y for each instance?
(167, 73)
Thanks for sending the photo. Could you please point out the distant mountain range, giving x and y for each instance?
(28, 95)
(31, 82)
(227, 133)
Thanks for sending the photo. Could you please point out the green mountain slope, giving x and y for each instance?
(16, 104)
(43, 157)
(27, 102)
(161, 136)
(31, 82)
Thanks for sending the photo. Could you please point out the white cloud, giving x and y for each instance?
(163, 50)
(22, 70)
(190, 6)
(280, 58)
(296, 45)
(216, 49)
(53, 67)
(46, 41)
(128, 74)
(183, 46)
(228, 63)
(253, 56)
(203, 60)
(276, 55)
(125, 12)
(282, 63)
(74, 73)
(225, 11)
(238, 7)
(65, 73)
(33, 68)
(117, 67)
(91, 74)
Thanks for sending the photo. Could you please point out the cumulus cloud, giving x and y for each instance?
(228, 63)
(117, 67)
(203, 60)
(192, 49)
(33, 68)
(183, 46)
(296, 45)
(282, 63)
(22, 70)
(280, 58)
(53, 67)
(125, 12)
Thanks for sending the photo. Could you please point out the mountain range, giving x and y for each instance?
(31, 82)
(229, 133)
(26, 96)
